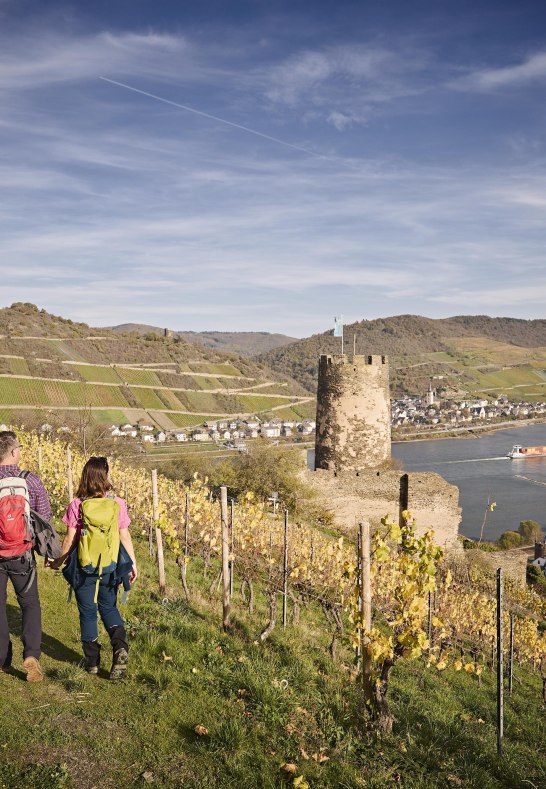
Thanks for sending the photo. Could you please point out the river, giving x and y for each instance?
(482, 472)
(480, 469)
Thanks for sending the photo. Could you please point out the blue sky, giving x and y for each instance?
(398, 166)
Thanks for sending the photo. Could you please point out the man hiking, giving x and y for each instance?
(20, 491)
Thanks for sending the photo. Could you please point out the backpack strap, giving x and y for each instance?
(23, 474)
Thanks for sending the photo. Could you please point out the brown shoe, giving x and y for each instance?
(33, 669)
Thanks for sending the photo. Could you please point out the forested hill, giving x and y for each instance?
(420, 348)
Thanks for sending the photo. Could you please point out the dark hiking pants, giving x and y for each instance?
(18, 571)
(106, 606)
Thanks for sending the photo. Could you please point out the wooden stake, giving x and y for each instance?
(226, 598)
(69, 474)
(511, 655)
(500, 666)
(182, 561)
(158, 534)
(358, 648)
(40, 458)
(187, 526)
(151, 538)
(365, 601)
(232, 541)
(285, 572)
(429, 623)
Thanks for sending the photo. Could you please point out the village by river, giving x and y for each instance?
(482, 472)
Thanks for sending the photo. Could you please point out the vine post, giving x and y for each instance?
(429, 618)
(500, 666)
(158, 534)
(151, 538)
(232, 540)
(69, 473)
(226, 604)
(39, 457)
(183, 560)
(285, 572)
(358, 647)
(365, 601)
(511, 655)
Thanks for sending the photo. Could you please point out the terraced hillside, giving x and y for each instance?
(464, 355)
(49, 365)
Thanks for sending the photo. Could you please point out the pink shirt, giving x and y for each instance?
(73, 520)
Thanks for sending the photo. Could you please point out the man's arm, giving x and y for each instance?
(69, 543)
(39, 500)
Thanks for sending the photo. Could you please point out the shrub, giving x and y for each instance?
(533, 573)
(530, 531)
(509, 539)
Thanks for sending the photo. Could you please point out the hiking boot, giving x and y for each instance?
(33, 669)
(91, 661)
(91, 668)
(119, 664)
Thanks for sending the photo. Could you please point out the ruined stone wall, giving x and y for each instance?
(513, 563)
(371, 494)
(353, 413)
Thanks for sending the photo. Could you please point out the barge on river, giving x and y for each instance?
(518, 451)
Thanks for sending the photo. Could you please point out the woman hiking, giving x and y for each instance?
(96, 546)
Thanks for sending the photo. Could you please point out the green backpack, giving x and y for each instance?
(98, 547)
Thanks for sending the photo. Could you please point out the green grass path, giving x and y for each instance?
(261, 705)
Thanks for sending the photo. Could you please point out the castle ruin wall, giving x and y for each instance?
(373, 494)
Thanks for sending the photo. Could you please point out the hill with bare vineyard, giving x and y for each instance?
(51, 366)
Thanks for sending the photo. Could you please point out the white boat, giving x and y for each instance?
(518, 451)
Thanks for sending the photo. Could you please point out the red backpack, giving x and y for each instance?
(15, 531)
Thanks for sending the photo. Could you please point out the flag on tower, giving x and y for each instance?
(338, 326)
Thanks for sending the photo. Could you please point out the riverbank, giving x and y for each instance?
(464, 432)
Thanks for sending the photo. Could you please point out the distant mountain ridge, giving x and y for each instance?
(474, 355)
(420, 348)
(243, 343)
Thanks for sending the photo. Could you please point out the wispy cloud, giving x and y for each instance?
(532, 69)
(166, 215)
(54, 59)
(344, 83)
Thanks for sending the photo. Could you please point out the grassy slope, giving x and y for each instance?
(79, 731)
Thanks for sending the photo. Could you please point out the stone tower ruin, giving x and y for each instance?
(352, 476)
(353, 413)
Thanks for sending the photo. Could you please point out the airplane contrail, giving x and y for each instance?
(214, 118)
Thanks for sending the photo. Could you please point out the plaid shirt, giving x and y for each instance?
(39, 501)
